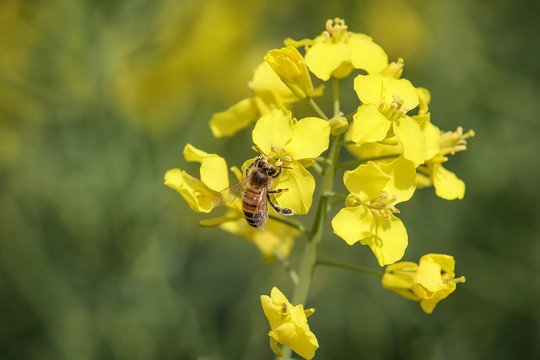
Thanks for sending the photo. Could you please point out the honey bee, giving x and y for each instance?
(255, 190)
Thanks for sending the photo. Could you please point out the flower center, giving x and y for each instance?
(454, 141)
(336, 31)
(280, 156)
(380, 207)
(395, 110)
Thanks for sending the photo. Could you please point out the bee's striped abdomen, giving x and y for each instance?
(250, 201)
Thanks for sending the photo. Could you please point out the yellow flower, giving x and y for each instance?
(428, 282)
(369, 210)
(269, 92)
(289, 65)
(214, 178)
(447, 185)
(386, 101)
(337, 52)
(292, 143)
(288, 325)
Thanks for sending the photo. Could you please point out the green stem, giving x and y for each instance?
(335, 195)
(322, 160)
(312, 247)
(317, 108)
(361, 161)
(289, 223)
(351, 267)
(335, 82)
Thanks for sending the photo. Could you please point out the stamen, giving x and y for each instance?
(458, 280)
(452, 142)
(336, 29)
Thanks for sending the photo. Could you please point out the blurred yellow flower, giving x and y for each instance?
(288, 325)
(337, 52)
(292, 143)
(291, 68)
(429, 282)
(213, 178)
(368, 216)
(159, 74)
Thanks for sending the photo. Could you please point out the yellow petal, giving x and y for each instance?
(403, 174)
(353, 224)
(429, 276)
(424, 98)
(369, 125)
(274, 345)
(191, 153)
(213, 167)
(447, 185)
(290, 66)
(234, 119)
(214, 173)
(411, 137)
(198, 196)
(390, 241)
(428, 305)
(446, 262)
(399, 275)
(369, 89)
(310, 138)
(366, 54)
(371, 150)
(266, 81)
(301, 186)
(367, 180)
(324, 58)
(274, 128)
(372, 88)
(432, 134)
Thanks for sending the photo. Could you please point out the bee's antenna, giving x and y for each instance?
(285, 167)
(256, 149)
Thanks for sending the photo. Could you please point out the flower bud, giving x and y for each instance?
(394, 69)
(289, 65)
(338, 125)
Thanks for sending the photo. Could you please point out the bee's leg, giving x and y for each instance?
(279, 209)
(278, 173)
(250, 166)
(277, 191)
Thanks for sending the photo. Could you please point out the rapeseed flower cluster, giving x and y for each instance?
(396, 149)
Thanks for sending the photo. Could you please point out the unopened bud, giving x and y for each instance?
(394, 69)
(338, 125)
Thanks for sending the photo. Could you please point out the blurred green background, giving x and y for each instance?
(99, 260)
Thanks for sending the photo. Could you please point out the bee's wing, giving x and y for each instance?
(262, 209)
(229, 194)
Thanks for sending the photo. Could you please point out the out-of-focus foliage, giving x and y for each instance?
(99, 260)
